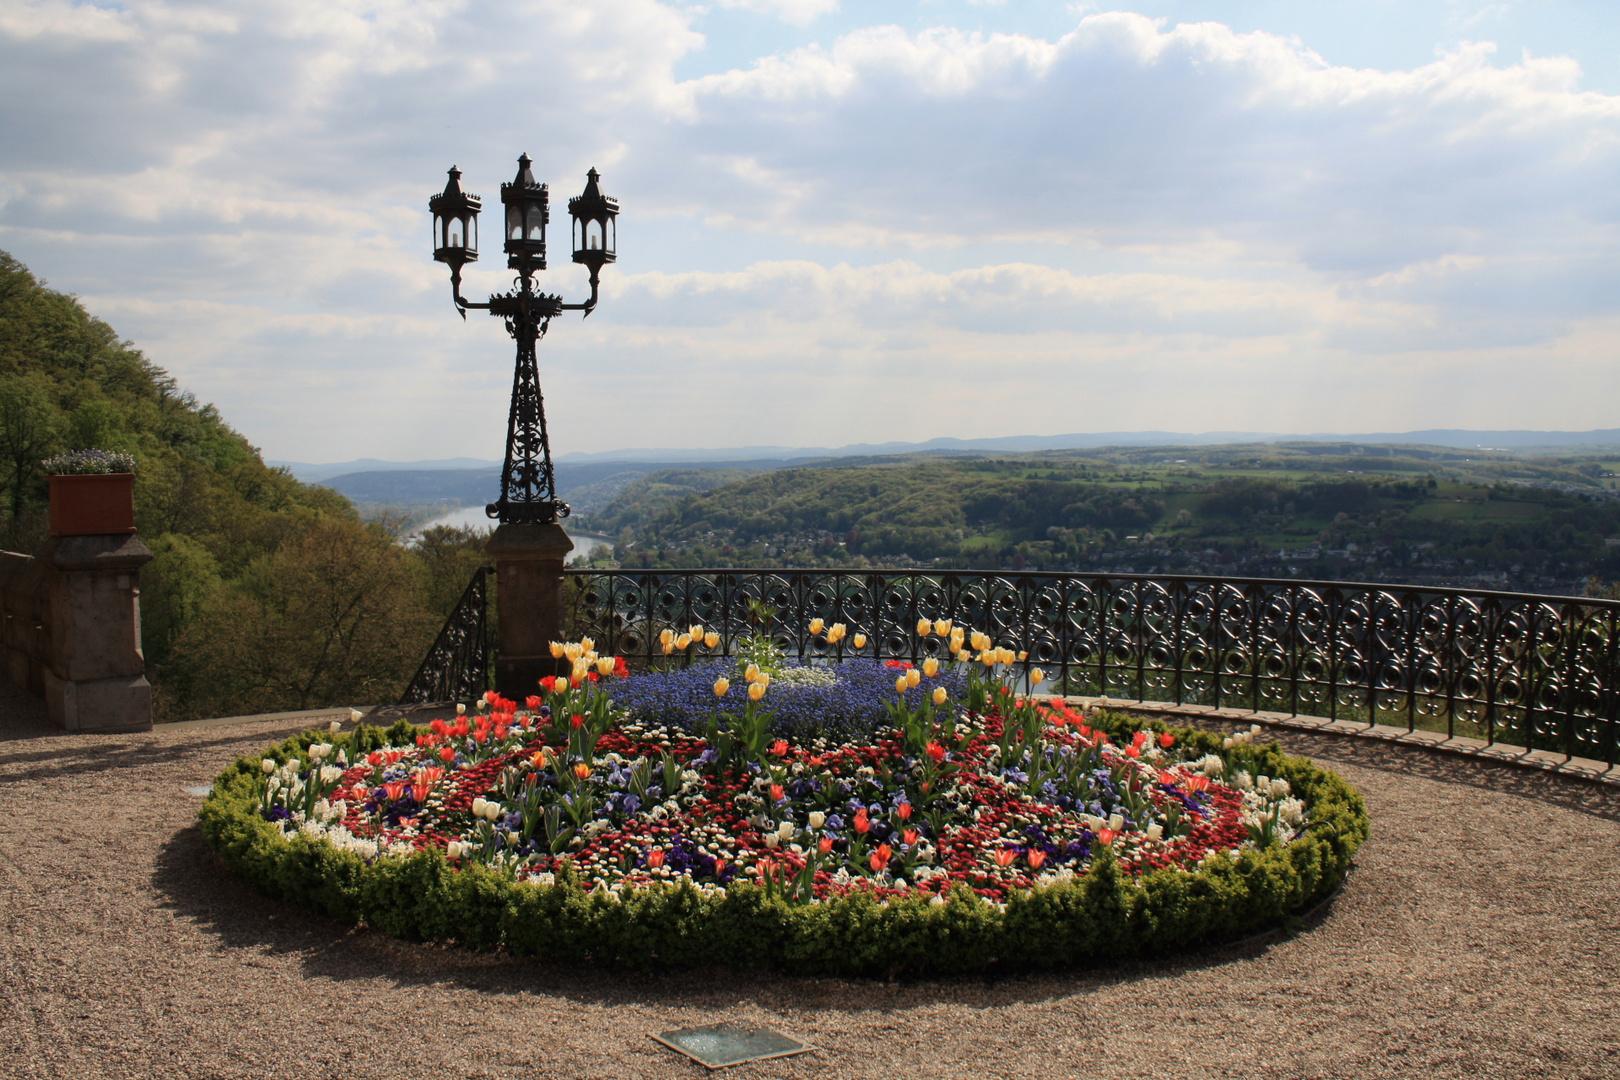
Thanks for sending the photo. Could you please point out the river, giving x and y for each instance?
(473, 517)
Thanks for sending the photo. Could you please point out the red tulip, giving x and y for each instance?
(1133, 751)
(1036, 857)
(1167, 740)
(779, 747)
(394, 791)
(861, 823)
(904, 810)
(447, 754)
(1005, 856)
(549, 684)
(777, 794)
(655, 858)
(576, 721)
(936, 751)
(419, 791)
(1106, 836)
(1139, 739)
(910, 837)
(880, 857)
(824, 845)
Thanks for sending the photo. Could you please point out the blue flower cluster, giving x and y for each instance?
(853, 706)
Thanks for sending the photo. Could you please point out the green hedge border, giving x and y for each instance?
(1104, 916)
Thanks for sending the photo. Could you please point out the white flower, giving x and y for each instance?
(1116, 822)
(1155, 831)
(817, 819)
(335, 726)
(1280, 788)
(268, 765)
(786, 831)
(478, 807)
(772, 840)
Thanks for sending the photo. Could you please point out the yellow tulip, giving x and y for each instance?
(942, 627)
(931, 667)
(562, 685)
(980, 640)
(913, 677)
(756, 691)
(816, 625)
(556, 650)
(902, 684)
(573, 651)
(988, 658)
(722, 687)
(752, 674)
(1005, 656)
(860, 641)
(1037, 677)
(581, 669)
(924, 627)
(939, 695)
(666, 637)
(684, 641)
(837, 632)
(588, 644)
(1023, 656)
(669, 647)
(696, 632)
(604, 665)
(958, 635)
(711, 639)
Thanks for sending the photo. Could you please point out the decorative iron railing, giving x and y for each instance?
(1535, 671)
(457, 666)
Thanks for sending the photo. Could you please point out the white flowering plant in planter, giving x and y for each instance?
(90, 462)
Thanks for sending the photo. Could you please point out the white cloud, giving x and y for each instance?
(902, 234)
(797, 12)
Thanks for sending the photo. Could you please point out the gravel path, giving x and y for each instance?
(1478, 937)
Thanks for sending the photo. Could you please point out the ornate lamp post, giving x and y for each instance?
(529, 545)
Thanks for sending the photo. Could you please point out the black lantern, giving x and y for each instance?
(455, 224)
(528, 211)
(595, 226)
(528, 482)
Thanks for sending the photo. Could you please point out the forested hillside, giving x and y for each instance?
(1408, 516)
(263, 593)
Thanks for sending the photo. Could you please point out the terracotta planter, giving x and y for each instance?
(93, 505)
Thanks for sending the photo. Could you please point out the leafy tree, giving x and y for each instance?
(30, 428)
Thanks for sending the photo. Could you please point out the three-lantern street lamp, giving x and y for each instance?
(528, 483)
(530, 545)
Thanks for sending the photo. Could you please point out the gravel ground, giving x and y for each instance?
(1477, 937)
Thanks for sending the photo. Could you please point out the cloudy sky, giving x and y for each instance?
(843, 220)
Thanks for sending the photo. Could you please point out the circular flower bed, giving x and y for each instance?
(967, 826)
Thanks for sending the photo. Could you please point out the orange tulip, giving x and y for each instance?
(1036, 857)
(824, 845)
(1005, 856)
(1106, 836)
(655, 858)
(582, 770)
(910, 837)
(880, 857)
(862, 825)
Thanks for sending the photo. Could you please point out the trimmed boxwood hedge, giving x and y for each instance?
(1104, 915)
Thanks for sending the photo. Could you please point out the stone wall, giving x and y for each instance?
(70, 631)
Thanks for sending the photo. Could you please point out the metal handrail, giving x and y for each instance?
(1536, 671)
(456, 668)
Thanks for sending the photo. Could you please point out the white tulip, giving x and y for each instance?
(1116, 822)
(786, 831)
(268, 765)
(817, 819)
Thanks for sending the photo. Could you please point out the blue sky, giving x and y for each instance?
(843, 222)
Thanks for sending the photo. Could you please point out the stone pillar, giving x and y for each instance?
(95, 678)
(529, 602)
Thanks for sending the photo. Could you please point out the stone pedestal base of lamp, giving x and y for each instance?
(529, 601)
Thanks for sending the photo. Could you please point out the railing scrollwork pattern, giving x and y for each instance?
(1535, 671)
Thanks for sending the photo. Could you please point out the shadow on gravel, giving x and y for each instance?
(119, 752)
(196, 885)
(1584, 796)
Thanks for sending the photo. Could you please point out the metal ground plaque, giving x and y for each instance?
(719, 1045)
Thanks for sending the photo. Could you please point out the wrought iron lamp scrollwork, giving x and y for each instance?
(528, 481)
